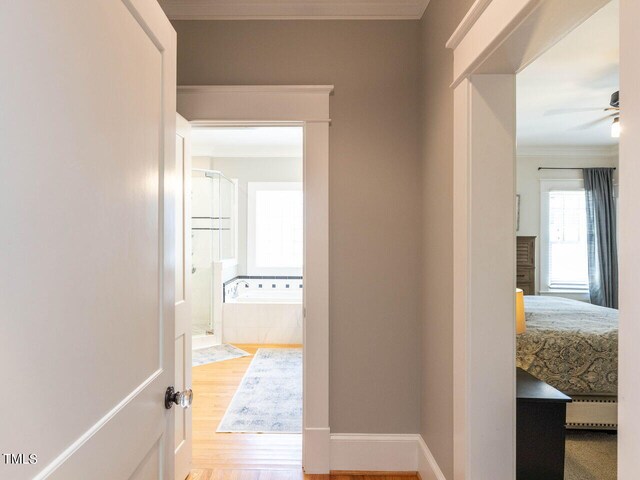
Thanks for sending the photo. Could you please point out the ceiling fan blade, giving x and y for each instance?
(594, 123)
(565, 111)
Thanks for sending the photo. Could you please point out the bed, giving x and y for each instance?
(573, 346)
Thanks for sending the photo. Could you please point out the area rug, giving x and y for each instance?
(269, 398)
(590, 456)
(217, 353)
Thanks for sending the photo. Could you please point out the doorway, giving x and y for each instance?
(247, 280)
(568, 111)
(491, 45)
(305, 107)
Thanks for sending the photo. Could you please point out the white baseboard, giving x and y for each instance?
(316, 451)
(380, 453)
(427, 466)
(392, 453)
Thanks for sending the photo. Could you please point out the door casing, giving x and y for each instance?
(183, 332)
(496, 40)
(306, 106)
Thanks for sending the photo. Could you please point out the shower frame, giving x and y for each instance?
(213, 335)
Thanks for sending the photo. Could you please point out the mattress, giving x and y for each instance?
(570, 345)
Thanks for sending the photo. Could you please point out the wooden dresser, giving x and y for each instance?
(526, 264)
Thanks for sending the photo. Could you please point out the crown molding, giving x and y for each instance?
(298, 10)
(568, 151)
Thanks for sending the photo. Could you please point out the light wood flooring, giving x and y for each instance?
(243, 456)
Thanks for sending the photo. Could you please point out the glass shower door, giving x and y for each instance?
(213, 240)
(203, 241)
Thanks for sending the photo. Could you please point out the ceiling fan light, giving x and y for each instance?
(615, 128)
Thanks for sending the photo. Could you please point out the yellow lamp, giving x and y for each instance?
(521, 325)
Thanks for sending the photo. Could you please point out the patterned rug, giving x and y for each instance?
(217, 353)
(269, 398)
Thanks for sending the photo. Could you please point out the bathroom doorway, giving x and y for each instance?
(306, 107)
(247, 281)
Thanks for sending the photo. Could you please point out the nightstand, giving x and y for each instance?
(540, 429)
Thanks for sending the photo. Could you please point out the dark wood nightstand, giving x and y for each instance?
(540, 429)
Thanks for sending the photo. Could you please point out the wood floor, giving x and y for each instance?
(243, 456)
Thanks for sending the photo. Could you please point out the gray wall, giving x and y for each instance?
(440, 20)
(375, 198)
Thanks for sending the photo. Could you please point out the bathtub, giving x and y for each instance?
(268, 310)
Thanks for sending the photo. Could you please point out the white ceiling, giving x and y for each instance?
(223, 142)
(293, 9)
(580, 72)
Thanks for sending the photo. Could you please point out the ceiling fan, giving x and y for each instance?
(612, 112)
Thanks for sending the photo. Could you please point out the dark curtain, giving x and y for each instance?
(601, 236)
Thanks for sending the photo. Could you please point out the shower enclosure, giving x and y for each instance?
(213, 232)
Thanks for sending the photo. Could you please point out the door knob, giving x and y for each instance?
(183, 399)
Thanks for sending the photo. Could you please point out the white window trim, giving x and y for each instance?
(546, 186)
(252, 188)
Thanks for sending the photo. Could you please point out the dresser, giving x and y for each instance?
(526, 264)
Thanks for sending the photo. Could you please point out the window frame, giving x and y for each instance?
(252, 268)
(547, 186)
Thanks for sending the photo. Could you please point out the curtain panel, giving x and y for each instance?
(601, 236)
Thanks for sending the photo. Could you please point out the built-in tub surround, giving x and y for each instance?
(262, 310)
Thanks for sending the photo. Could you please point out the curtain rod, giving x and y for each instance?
(569, 168)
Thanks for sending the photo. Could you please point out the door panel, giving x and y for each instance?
(87, 284)
(183, 293)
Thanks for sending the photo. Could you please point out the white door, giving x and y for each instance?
(183, 293)
(87, 232)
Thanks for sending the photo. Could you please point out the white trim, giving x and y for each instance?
(300, 10)
(510, 34)
(507, 36)
(628, 258)
(253, 104)
(307, 106)
(484, 278)
(96, 427)
(428, 468)
(467, 22)
(578, 151)
(316, 450)
(374, 452)
(383, 453)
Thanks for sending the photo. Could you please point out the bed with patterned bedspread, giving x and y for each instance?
(570, 345)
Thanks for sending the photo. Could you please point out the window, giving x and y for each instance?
(275, 228)
(564, 261)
